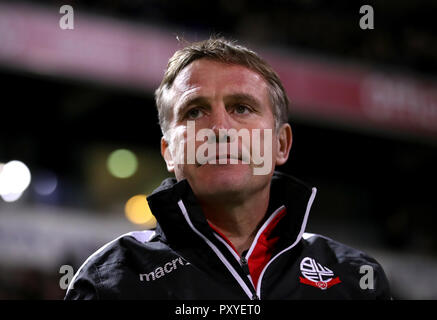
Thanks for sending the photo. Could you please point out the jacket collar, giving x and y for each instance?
(172, 227)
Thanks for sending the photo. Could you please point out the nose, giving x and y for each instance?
(220, 119)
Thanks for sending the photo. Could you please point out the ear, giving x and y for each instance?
(166, 154)
(285, 140)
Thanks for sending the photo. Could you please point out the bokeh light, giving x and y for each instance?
(138, 212)
(15, 177)
(122, 163)
(11, 197)
(45, 183)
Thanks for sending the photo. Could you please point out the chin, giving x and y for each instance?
(222, 179)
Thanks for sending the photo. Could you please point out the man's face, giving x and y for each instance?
(216, 96)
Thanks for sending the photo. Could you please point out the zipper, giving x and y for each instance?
(242, 261)
(250, 292)
(245, 267)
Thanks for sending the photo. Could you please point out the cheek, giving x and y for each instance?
(177, 138)
(263, 139)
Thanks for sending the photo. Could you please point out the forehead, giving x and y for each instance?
(212, 78)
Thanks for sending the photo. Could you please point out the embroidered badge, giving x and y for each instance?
(316, 275)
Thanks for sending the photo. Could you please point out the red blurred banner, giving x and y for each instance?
(129, 55)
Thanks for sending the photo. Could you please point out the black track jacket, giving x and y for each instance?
(184, 258)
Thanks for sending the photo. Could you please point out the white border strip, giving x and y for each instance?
(217, 252)
(302, 229)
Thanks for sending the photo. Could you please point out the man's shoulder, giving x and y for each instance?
(355, 268)
(115, 251)
(114, 259)
(336, 250)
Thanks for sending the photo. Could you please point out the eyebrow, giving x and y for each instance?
(189, 102)
(202, 100)
(254, 102)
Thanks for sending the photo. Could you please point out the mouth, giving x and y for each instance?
(223, 159)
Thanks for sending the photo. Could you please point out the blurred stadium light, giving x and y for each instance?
(15, 177)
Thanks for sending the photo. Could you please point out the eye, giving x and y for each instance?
(241, 109)
(193, 113)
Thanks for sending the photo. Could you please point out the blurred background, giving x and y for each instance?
(79, 139)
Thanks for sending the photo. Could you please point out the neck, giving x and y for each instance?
(238, 220)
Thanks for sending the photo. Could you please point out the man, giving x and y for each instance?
(229, 226)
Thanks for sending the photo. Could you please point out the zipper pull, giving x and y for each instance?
(244, 265)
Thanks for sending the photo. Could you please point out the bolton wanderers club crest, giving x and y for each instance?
(316, 275)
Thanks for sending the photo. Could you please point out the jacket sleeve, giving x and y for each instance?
(371, 281)
(84, 285)
(382, 286)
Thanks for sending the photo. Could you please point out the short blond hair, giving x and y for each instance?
(225, 51)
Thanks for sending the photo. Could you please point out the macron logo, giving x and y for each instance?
(162, 271)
